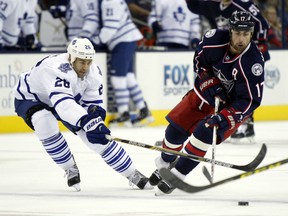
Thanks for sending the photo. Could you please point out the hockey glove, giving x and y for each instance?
(95, 129)
(98, 45)
(225, 120)
(156, 27)
(211, 88)
(97, 111)
(29, 40)
(262, 45)
(194, 43)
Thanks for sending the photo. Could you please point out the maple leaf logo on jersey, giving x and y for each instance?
(179, 15)
(65, 67)
(228, 84)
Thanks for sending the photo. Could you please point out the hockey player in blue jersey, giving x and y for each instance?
(218, 13)
(68, 87)
(229, 66)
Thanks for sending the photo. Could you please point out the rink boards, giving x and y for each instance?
(163, 76)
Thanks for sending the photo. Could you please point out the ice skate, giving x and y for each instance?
(140, 180)
(123, 120)
(155, 177)
(164, 187)
(144, 118)
(73, 177)
(245, 133)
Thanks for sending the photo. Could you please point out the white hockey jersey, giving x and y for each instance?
(54, 82)
(16, 16)
(179, 24)
(117, 25)
(83, 19)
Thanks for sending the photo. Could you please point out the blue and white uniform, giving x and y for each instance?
(16, 16)
(53, 82)
(117, 25)
(83, 19)
(52, 91)
(120, 34)
(179, 25)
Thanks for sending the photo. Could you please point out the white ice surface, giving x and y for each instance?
(32, 185)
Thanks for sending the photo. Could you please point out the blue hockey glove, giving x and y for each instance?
(95, 129)
(156, 27)
(97, 111)
(29, 40)
(225, 120)
(211, 88)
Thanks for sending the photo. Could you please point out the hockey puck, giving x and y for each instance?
(243, 203)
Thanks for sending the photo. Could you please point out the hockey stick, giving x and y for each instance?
(178, 183)
(217, 102)
(205, 171)
(252, 165)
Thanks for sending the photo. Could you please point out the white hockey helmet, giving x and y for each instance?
(80, 48)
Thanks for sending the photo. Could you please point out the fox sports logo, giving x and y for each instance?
(272, 76)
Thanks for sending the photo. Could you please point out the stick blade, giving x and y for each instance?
(178, 183)
(259, 158)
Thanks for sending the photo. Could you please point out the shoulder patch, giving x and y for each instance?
(257, 69)
(65, 67)
(210, 33)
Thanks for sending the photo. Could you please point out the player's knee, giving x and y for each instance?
(131, 79)
(45, 124)
(98, 148)
(197, 147)
(174, 140)
(174, 135)
(119, 82)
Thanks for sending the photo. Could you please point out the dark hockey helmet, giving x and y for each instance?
(241, 21)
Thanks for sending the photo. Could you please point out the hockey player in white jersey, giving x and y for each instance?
(82, 19)
(68, 87)
(17, 16)
(120, 34)
(174, 25)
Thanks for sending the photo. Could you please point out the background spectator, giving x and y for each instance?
(275, 30)
(140, 10)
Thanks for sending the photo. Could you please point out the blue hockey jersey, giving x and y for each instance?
(218, 15)
(241, 75)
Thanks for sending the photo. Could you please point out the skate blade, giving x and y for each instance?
(76, 187)
(144, 122)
